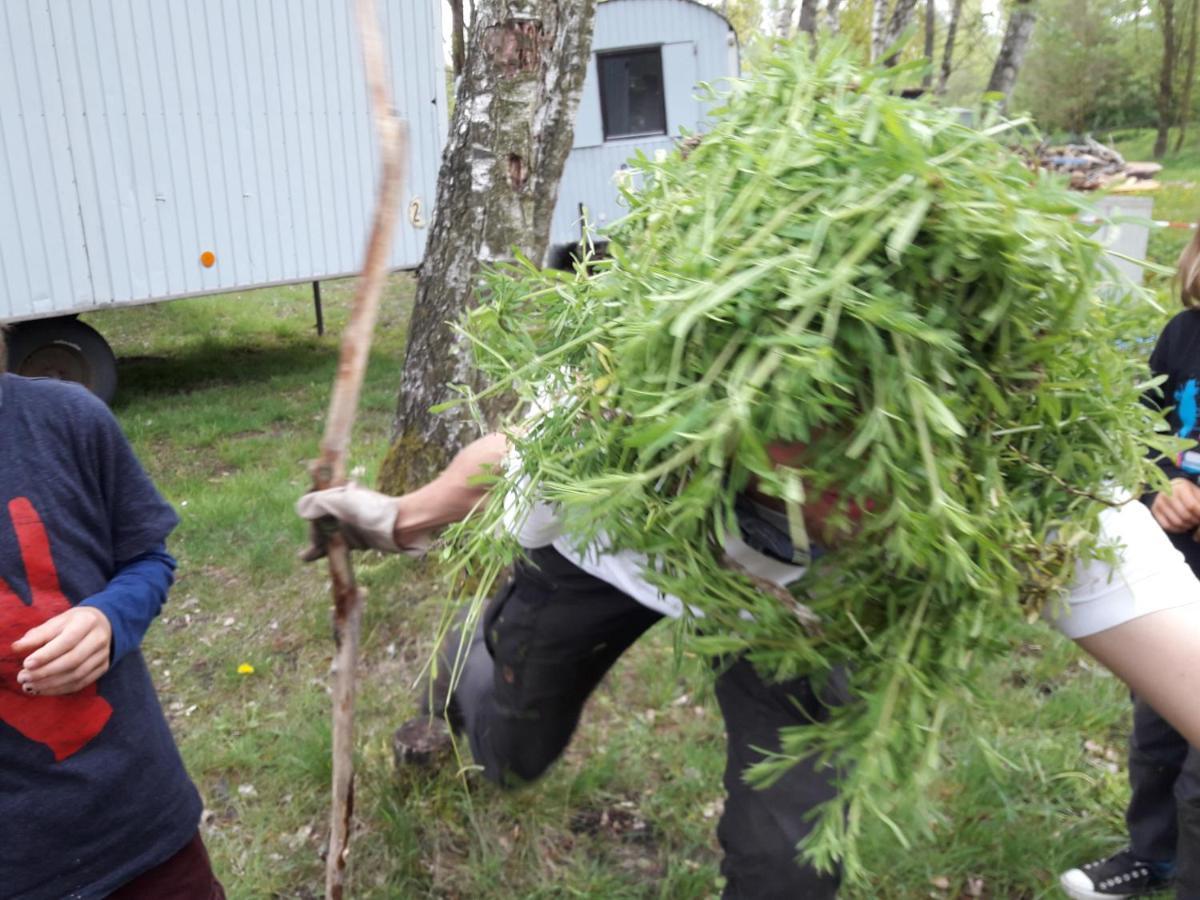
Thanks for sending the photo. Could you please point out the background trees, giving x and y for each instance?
(1087, 65)
(1021, 20)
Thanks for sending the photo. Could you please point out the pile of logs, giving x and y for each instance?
(1092, 166)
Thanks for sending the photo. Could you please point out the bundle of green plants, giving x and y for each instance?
(833, 268)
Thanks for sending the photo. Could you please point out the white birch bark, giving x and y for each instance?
(899, 20)
(785, 14)
(879, 19)
(832, 11)
(511, 132)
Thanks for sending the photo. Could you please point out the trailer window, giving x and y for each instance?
(631, 93)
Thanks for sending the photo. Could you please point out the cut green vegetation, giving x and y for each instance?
(838, 268)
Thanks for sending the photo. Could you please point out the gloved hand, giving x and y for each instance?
(366, 519)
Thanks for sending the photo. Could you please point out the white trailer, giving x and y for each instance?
(159, 149)
(648, 57)
(155, 149)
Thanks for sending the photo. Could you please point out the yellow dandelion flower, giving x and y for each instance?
(245, 669)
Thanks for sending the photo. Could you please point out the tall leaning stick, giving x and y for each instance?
(330, 469)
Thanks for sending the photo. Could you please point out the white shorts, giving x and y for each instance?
(1150, 575)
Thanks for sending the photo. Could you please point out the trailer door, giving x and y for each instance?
(680, 71)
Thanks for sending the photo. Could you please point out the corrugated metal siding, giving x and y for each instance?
(42, 257)
(683, 107)
(590, 179)
(696, 48)
(589, 125)
(138, 134)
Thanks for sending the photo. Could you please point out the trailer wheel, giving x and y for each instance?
(63, 348)
(565, 256)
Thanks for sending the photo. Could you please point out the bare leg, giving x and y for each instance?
(1158, 656)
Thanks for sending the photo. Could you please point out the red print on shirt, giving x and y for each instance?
(64, 724)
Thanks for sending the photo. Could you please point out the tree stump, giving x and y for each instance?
(423, 742)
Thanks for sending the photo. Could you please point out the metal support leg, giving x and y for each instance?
(317, 309)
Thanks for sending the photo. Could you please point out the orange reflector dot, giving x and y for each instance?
(208, 259)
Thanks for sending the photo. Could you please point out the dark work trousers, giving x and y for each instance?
(1164, 776)
(545, 643)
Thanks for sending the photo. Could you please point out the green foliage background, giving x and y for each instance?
(1093, 65)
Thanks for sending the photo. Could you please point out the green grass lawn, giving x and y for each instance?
(224, 399)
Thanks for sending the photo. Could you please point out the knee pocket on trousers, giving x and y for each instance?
(510, 633)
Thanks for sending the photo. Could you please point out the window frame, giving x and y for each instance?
(642, 50)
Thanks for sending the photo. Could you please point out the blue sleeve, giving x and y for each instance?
(134, 597)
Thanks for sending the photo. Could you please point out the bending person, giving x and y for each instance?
(549, 636)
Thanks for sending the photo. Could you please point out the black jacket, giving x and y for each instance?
(1177, 356)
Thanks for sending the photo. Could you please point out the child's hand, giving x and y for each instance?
(63, 724)
(70, 651)
(1178, 511)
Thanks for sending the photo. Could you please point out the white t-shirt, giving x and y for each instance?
(540, 526)
(1149, 575)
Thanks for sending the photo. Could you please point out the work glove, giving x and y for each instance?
(366, 519)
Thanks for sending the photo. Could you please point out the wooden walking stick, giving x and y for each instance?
(330, 468)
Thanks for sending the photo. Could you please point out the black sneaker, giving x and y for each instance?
(1121, 875)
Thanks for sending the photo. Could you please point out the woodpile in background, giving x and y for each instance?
(1092, 166)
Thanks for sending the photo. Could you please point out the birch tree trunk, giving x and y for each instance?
(886, 29)
(831, 15)
(1166, 77)
(1189, 78)
(785, 12)
(512, 128)
(902, 14)
(948, 50)
(879, 19)
(1012, 51)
